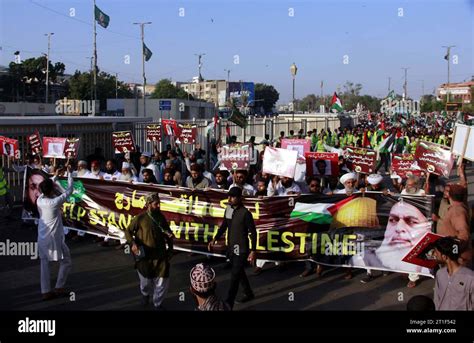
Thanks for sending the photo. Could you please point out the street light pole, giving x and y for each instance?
(142, 26)
(47, 65)
(293, 70)
(116, 85)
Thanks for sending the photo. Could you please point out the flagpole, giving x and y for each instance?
(142, 27)
(448, 55)
(95, 57)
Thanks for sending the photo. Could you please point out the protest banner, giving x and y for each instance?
(281, 162)
(463, 141)
(187, 134)
(234, 157)
(333, 230)
(170, 127)
(53, 147)
(71, 148)
(402, 165)
(153, 133)
(34, 143)
(422, 253)
(9, 147)
(122, 142)
(434, 158)
(301, 145)
(360, 160)
(322, 164)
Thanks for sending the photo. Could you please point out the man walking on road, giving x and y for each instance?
(148, 234)
(239, 222)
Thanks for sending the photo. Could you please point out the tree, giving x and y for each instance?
(308, 103)
(164, 89)
(350, 95)
(29, 78)
(268, 94)
(80, 87)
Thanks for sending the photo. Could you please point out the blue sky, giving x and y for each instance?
(267, 40)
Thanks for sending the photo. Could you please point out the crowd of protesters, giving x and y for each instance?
(383, 133)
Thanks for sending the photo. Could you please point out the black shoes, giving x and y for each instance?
(245, 298)
(367, 278)
(145, 300)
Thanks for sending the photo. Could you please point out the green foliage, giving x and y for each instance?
(164, 89)
(80, 87)
(268, 94)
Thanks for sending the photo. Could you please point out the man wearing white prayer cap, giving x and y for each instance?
(128, 173)
(81, 169)
(375, 183)
(145, 161)
(349, 181)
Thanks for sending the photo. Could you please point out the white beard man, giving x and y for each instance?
(406, 226)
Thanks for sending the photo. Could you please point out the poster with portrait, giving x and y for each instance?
(153, 133)
(34, 143)
(123, 142)
(9, 147)
(360, 160)
(71, 149)
(234, 157)
(53, 147)
(385, 229)
(170, 127)
(281, 162)
(434, 158)
(322, 164)
(187, 133)
(302, 146)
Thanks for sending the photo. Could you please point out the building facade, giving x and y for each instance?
(458, 92)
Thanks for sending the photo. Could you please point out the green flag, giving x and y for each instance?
(238, 118)
(147, 52)
(102, 18)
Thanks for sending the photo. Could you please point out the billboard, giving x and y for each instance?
(239, 89)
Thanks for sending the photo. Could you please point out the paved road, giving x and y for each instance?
(103, 279)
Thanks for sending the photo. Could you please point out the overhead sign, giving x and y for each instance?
(165, 105)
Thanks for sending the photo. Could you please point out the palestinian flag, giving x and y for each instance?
(319, 212)
(336, 105)
(101, 18)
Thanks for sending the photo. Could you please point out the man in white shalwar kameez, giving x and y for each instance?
(51, 244)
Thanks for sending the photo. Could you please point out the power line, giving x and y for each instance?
(81, 21)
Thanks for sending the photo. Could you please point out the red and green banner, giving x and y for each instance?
(361, 231)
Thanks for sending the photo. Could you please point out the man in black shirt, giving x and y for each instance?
(239, 221)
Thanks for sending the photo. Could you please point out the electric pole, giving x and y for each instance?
(200, 65)
(405, 95)
(47, 65)
(389, 79)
